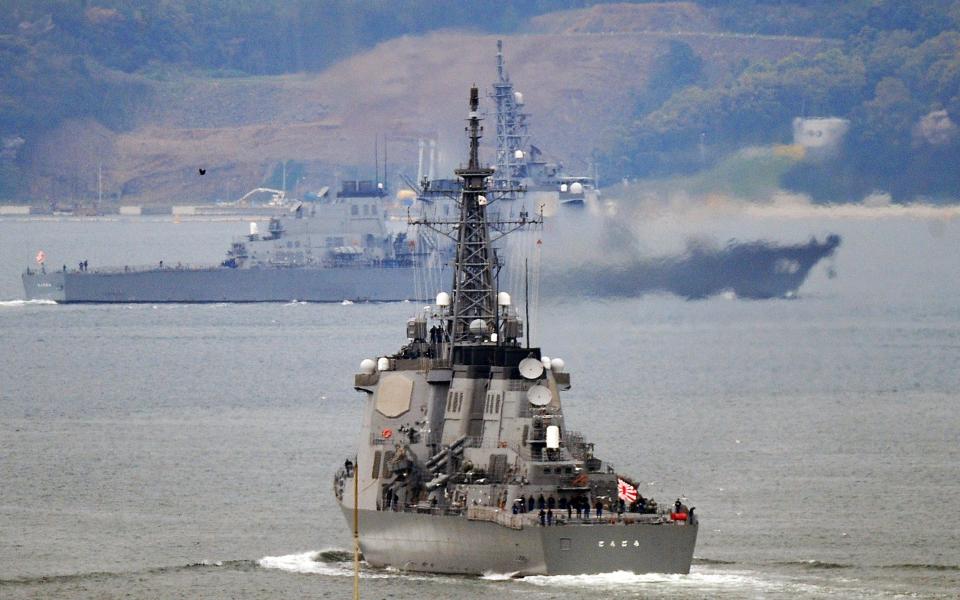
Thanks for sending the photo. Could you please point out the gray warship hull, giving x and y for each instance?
(756, 270)
(223, 284)
(455, 544)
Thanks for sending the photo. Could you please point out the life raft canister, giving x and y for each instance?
(678, 516)
(388, 433)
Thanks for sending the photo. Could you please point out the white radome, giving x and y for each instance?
(443, 299)
(503, 299)
(557, 365)
(368, 366)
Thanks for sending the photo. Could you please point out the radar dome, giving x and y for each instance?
(518, 98)
(546, 362)
(563, 187)
(254, 228)
(368, 366)
(503, 299)
(557, 365)
(518, 154)
(482, 200)
(576, 188)
(443, 299)
(383, 363)
(478, 327)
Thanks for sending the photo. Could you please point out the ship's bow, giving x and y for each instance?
(38, 285)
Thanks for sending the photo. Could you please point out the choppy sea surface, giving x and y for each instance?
(187, 451)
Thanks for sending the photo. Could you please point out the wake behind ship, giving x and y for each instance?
(465, 463)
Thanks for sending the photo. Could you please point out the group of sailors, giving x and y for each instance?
(550, 509)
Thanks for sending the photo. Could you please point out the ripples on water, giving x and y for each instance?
(186, 451)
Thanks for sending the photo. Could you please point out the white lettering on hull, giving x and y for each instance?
(615, 544)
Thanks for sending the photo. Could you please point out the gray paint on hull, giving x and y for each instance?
(453, 544)
(224, 285)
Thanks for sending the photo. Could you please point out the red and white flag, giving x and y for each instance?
(625, 491)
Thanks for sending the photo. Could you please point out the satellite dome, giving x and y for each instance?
(368, 366)
(443, 299)
(478, 327)
(482, 200)
(503, 299)
(518, 98)
(557, 365)
(518, 154)
(563, 187)
(546, 362)
(576, 188)
(383, 363)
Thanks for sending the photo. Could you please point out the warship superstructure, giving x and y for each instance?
(330, 250)
(341, 249)
(465, 463)
(521, 165)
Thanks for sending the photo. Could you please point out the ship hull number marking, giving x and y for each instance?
(614, 544)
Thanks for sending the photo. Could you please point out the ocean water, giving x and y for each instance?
(179, 451)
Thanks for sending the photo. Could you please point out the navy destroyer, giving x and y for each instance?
(341, 249)
(465, 462)
(331, 250)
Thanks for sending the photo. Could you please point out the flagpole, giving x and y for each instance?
(356, 532)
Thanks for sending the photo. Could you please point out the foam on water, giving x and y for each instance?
(701, 580)
(319, 562)
(491, 576)
(16, 303)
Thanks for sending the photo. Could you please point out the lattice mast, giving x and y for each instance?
(512, 133)
(474, 295)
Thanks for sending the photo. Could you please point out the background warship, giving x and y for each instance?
(341, 249)
(465, 463)
(326, 251)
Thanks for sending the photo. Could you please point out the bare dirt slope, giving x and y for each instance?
(578, 75)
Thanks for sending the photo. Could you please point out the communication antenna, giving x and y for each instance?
(531, 368)
(539, 396)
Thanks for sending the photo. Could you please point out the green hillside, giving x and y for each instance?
(685, 85)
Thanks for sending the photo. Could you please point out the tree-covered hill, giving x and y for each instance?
(713, 77)
(895, 75)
